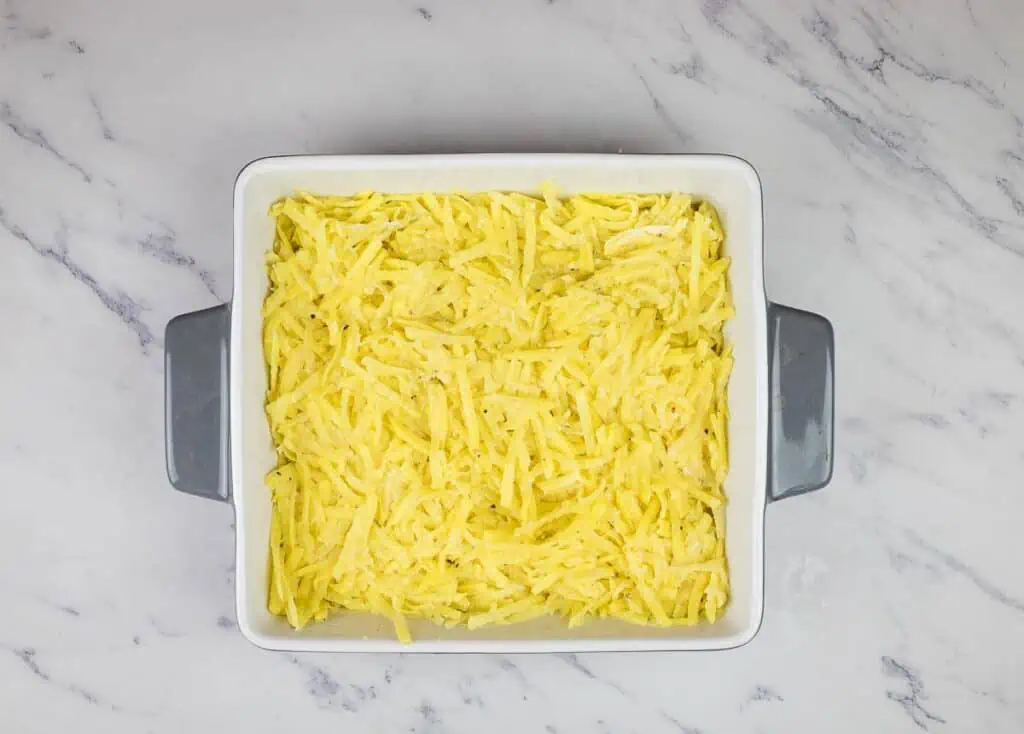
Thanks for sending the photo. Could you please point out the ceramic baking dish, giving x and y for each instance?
(780, 392)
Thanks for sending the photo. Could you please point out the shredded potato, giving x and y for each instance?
(491, 407)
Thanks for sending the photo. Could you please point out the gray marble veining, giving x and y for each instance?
(889, 136)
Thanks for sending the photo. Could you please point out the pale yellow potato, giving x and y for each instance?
(491, 407)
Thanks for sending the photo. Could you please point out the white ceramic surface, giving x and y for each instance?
(888, 137)
(728, 182)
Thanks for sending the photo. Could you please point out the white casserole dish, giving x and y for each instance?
(780, 392)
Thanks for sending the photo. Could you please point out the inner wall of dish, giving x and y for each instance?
(729, 183)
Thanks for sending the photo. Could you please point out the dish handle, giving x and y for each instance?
(196, 403)
(801, 371)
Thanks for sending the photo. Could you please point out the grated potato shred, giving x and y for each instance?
(491, 407)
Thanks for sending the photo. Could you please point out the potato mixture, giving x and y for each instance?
(489, 407)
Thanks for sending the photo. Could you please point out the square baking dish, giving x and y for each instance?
(780, 392)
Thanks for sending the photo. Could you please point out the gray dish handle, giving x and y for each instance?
(196, 396)
(801, 371)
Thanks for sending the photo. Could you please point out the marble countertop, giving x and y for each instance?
(890, 139)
